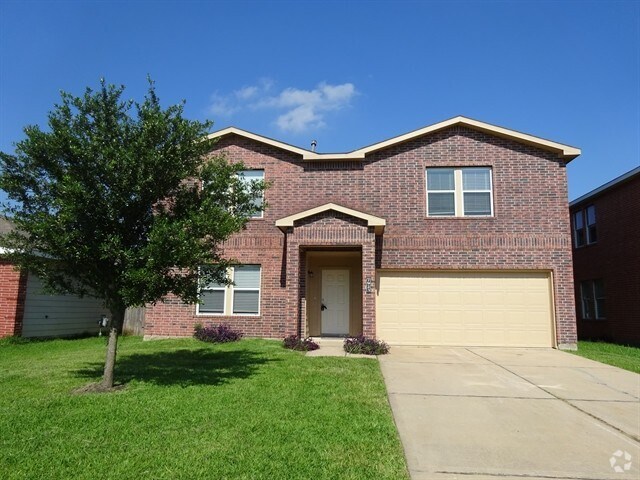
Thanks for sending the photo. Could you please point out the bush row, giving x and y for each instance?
(223, 333)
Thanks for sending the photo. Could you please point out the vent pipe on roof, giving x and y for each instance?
(314, 144)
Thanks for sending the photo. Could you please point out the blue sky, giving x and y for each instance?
(347, 74)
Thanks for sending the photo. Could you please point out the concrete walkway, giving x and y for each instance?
(500, 413)
(333, 347)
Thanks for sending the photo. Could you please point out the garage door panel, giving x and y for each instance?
(465, 308)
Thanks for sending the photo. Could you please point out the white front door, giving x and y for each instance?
(335, 302)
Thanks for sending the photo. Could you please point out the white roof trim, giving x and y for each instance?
(606, 186)
(564, 151)
(372, 221)
(259, 138)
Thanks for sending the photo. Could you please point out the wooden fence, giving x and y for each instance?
(134, 321)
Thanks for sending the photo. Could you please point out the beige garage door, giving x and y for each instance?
(464, 308)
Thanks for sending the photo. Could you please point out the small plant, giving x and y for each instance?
(222, 333)
(294, 342)
(366, 346)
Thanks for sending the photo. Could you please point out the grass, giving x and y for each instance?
(246, 410)
(611, 354)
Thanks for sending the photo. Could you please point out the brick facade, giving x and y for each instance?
(529, 229)
(13, 288)
(614, 258)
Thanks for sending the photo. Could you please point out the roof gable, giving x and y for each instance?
(607, 186)
(372, 221)
(563, 151)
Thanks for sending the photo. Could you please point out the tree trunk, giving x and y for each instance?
(110, 362)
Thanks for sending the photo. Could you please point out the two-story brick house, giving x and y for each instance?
(606, 259)
(454, 234)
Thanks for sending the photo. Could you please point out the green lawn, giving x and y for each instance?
(611, 354)
(249, 410)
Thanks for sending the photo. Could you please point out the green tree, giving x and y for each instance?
(122, 201)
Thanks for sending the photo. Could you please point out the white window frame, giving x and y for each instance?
(241, 173)
(459, 192)
(228, 296)
(440, 192)
(224, 305)
(233, 289)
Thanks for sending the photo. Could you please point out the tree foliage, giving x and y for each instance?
(122, 200)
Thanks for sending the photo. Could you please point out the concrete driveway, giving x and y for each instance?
(505, 413)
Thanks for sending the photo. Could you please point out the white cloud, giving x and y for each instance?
(300, 119)
(222, 106)
(306, 108)
(303, 109)
(246, 92)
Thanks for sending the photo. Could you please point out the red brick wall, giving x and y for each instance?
(13, 287)
(530, 229)
(615, 258)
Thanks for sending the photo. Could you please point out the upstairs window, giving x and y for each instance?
(248, 177)
(459, 192)
(476, 191)
(441, 192)
(592, 233)
(592, 299)
(584, 227)
(579, 237)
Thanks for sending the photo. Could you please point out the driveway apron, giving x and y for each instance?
(506, 413)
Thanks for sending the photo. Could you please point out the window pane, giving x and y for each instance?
(441, 204)
(592, 234)
(440, 179)
(215, 285)
(205, 269)
(246, 276)
(476, 179)
(598, 287)
(591, 215)
(212, 301)
(588, 302)
(578, 228)
(477, 204)
(248, 177)
(251, 175)
(577, 220)
(257, 201)
(245, 301)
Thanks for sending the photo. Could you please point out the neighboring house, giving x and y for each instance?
(25, 310)
(606, 260)
(13, 286)
(454, 234)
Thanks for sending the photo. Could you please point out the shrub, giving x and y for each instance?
(294, 342)
(366, 346)
(222, 333)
